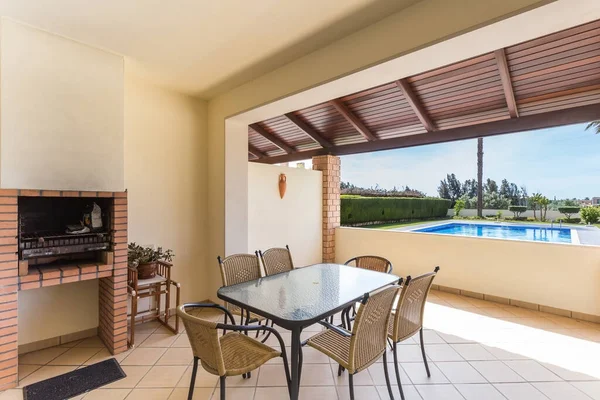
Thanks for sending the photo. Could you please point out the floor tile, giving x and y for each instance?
(410, 393)
(239, 381)
(315, 393)
(159, 340)
(408, 353)
(360, 393)
(149, 394)
(560, 391)
(103, 355)
(316, 375)
(569, 375)
(479, 391)
(460, 372)
(235, 393)
(75, 356)
(473, 352)
(12, 394)
(442, 352)
(181, 341)
(203, 378)
(25, 370)
(107, 394)
(144, 356)
(199, 394)
(496, 371)
(438, 392)
(532, 371)
(274, 375)
(592, 389)
(162, 376)
(134, 376)
(418, 376)
(46, 372)
(176, 356)
(42, 357)
(378, 375)
(520, 391)
(502, 354)
(93, 341)
(363, 378)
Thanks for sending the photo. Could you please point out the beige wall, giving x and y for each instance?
(54, 311)
(555, 275)
(420, 25)
(294, 220)
(165, 175)
(62, 113)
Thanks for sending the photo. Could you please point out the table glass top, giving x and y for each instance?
(305, 293)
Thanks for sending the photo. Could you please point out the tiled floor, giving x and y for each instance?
(478, 350)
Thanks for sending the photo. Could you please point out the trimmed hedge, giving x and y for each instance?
(364, 210)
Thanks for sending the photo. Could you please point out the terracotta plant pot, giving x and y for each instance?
(147, 270)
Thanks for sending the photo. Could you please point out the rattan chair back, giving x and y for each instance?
(369, 333)
(373, 263)
(277, 260)
(239, 268)
(204, 339)
(408, 318)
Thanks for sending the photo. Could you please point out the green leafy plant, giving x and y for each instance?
(499, 215)
(590, 215)
(568, 211)
(137, 254)
(517, 210)
(458, 207)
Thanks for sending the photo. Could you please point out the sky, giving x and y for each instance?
(559, 162)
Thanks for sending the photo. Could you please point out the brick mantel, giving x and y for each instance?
(112, 275)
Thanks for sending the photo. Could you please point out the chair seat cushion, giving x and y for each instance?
(242, 354)
(333, 345)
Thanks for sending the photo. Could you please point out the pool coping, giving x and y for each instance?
(575, 234)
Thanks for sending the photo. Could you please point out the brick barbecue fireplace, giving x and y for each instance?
(35, 252)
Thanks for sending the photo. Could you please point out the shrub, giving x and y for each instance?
(363, 210)
(569, 220)
(590, 215)
(569, 210)
(517, 210)
(458, 207)
(499, 214)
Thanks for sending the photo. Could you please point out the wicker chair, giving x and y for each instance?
(277, 260)
(373, 263)
(232, 354)
(240, 268)
(357, 350)
(407, 319)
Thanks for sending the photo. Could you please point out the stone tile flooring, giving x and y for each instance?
(478, 350)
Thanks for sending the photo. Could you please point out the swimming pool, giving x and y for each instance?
(505, 231)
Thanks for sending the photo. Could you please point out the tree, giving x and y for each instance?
(590, 215)
(491, 186)
(594, 125)
(458, 207)
(543, 203)
(480, 177)
(569, 210)
(450, 188)
(517, 210)
(534, 202)
(444, 190)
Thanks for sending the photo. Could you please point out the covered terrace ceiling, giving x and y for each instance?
(550, 81)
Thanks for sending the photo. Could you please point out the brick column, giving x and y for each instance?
(330, 166)
(8, 289)
(113, 290)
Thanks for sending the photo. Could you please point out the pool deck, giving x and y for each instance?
(588, 235)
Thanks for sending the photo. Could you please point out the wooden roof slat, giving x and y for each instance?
(455, 74)
(255, 152)
(571, 42)
(452, 67)
(353, 120)
(304, 127)
(272, 138)
(553, 37)
(559, 58)
(506, 82)
(416, 105)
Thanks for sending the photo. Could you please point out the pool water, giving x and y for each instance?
(516, 232)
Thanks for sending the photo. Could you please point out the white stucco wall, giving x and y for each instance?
(295, 220)
(62, 113)
(557, 275)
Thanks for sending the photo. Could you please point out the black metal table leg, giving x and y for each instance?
(295, 361)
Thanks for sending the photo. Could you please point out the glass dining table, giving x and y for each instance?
(302, 297)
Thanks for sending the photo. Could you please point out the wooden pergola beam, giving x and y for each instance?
(304, 127)
(353, 119)
(272, 138)
(506, 83)
(255, 152)
(416, 105)
(549, 119)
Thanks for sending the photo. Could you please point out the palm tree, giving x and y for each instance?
(480, 177)
(595, 125)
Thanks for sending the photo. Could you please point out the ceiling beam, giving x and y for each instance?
(524, 123)
(416, 105)
(506, 83)
(304, 127)
(255, 152)
(353, 119)
(272, 138)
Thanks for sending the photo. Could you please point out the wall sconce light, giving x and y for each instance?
(282, 185)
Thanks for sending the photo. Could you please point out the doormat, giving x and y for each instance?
(76, 382)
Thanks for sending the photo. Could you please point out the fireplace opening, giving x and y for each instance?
(63, 230)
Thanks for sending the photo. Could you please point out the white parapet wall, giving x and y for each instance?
(550, 214)
(564, 276)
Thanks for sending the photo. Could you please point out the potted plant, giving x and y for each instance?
(145, 259)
